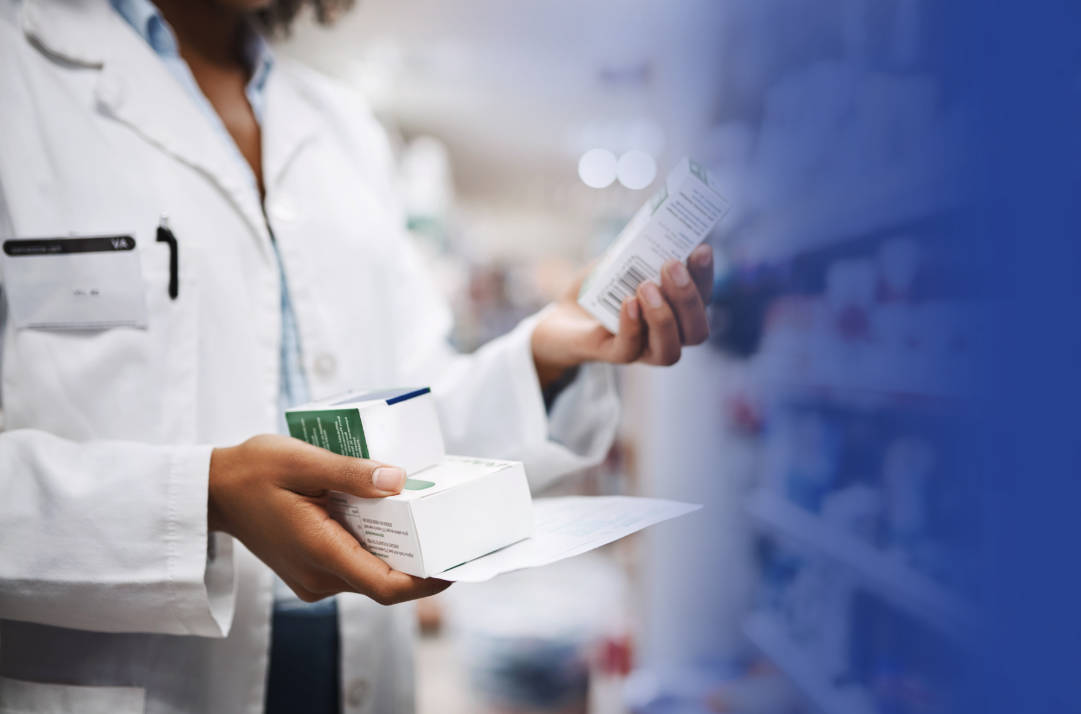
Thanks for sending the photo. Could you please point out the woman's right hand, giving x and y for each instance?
(271, 493)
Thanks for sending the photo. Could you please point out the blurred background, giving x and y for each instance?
(821, 427)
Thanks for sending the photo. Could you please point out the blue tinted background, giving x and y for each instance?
(1018, 65)
(1007, 486)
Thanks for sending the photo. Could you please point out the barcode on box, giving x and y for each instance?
(633, 274)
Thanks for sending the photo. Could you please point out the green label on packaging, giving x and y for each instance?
(337, 430)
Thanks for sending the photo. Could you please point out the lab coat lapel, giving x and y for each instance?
(135, 88)
(289, 123)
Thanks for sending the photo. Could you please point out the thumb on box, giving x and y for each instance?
(316, 470)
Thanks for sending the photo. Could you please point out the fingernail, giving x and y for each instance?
(388, 478)
(632, 308)
(679, 275)
(703, 254)
(652, 295)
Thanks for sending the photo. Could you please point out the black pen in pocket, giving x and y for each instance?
(165, 235)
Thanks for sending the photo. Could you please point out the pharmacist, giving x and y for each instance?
(240, 248)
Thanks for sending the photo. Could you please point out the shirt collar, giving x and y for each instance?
(147, 21)
(260, 61)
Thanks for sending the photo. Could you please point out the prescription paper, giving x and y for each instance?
(569, 526)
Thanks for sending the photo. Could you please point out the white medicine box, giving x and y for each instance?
(669, 226)
(446, 515)
(451, 510)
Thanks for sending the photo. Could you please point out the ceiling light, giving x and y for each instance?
(597, 168)
(636, 169)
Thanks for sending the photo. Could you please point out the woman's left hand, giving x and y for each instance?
(654, 325)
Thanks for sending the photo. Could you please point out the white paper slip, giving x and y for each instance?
(564, 527)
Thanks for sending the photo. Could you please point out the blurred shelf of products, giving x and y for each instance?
(856, 326)
(821, 426)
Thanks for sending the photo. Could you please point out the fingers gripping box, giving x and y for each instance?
(452, 509)
(671, 224)
(399, 427)
(448, 514)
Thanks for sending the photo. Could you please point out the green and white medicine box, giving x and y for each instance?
(399, 427)
(669, 226)
(447, 515)
(451, 510)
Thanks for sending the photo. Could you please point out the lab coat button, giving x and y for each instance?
(324, 365)
(357, 692)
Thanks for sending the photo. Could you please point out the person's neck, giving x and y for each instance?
(205, 28)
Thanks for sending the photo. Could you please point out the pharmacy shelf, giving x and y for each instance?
(803, 670)
(849, 372)
(821, 219)
(864, 398)
(904, 587)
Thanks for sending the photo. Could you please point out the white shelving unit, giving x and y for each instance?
(805, 673)
(895, 582)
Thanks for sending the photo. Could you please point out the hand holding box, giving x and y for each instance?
(452, 508)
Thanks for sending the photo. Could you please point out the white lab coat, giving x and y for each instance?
(110, 598)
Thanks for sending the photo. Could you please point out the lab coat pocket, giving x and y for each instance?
(83, 283)
(21, 697)
(116, 382)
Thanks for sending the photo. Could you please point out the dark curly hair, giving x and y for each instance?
(276, 19)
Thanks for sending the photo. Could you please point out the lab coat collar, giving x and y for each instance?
(135, 88)
(70, 30)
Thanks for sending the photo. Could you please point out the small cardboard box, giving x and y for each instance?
(447, 514)
(671, 224)
(399, 427)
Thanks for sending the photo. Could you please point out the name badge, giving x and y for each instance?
(74, 283)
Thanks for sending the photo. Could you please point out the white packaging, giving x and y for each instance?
(447, 514)
(671, 224)
(399, 427)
